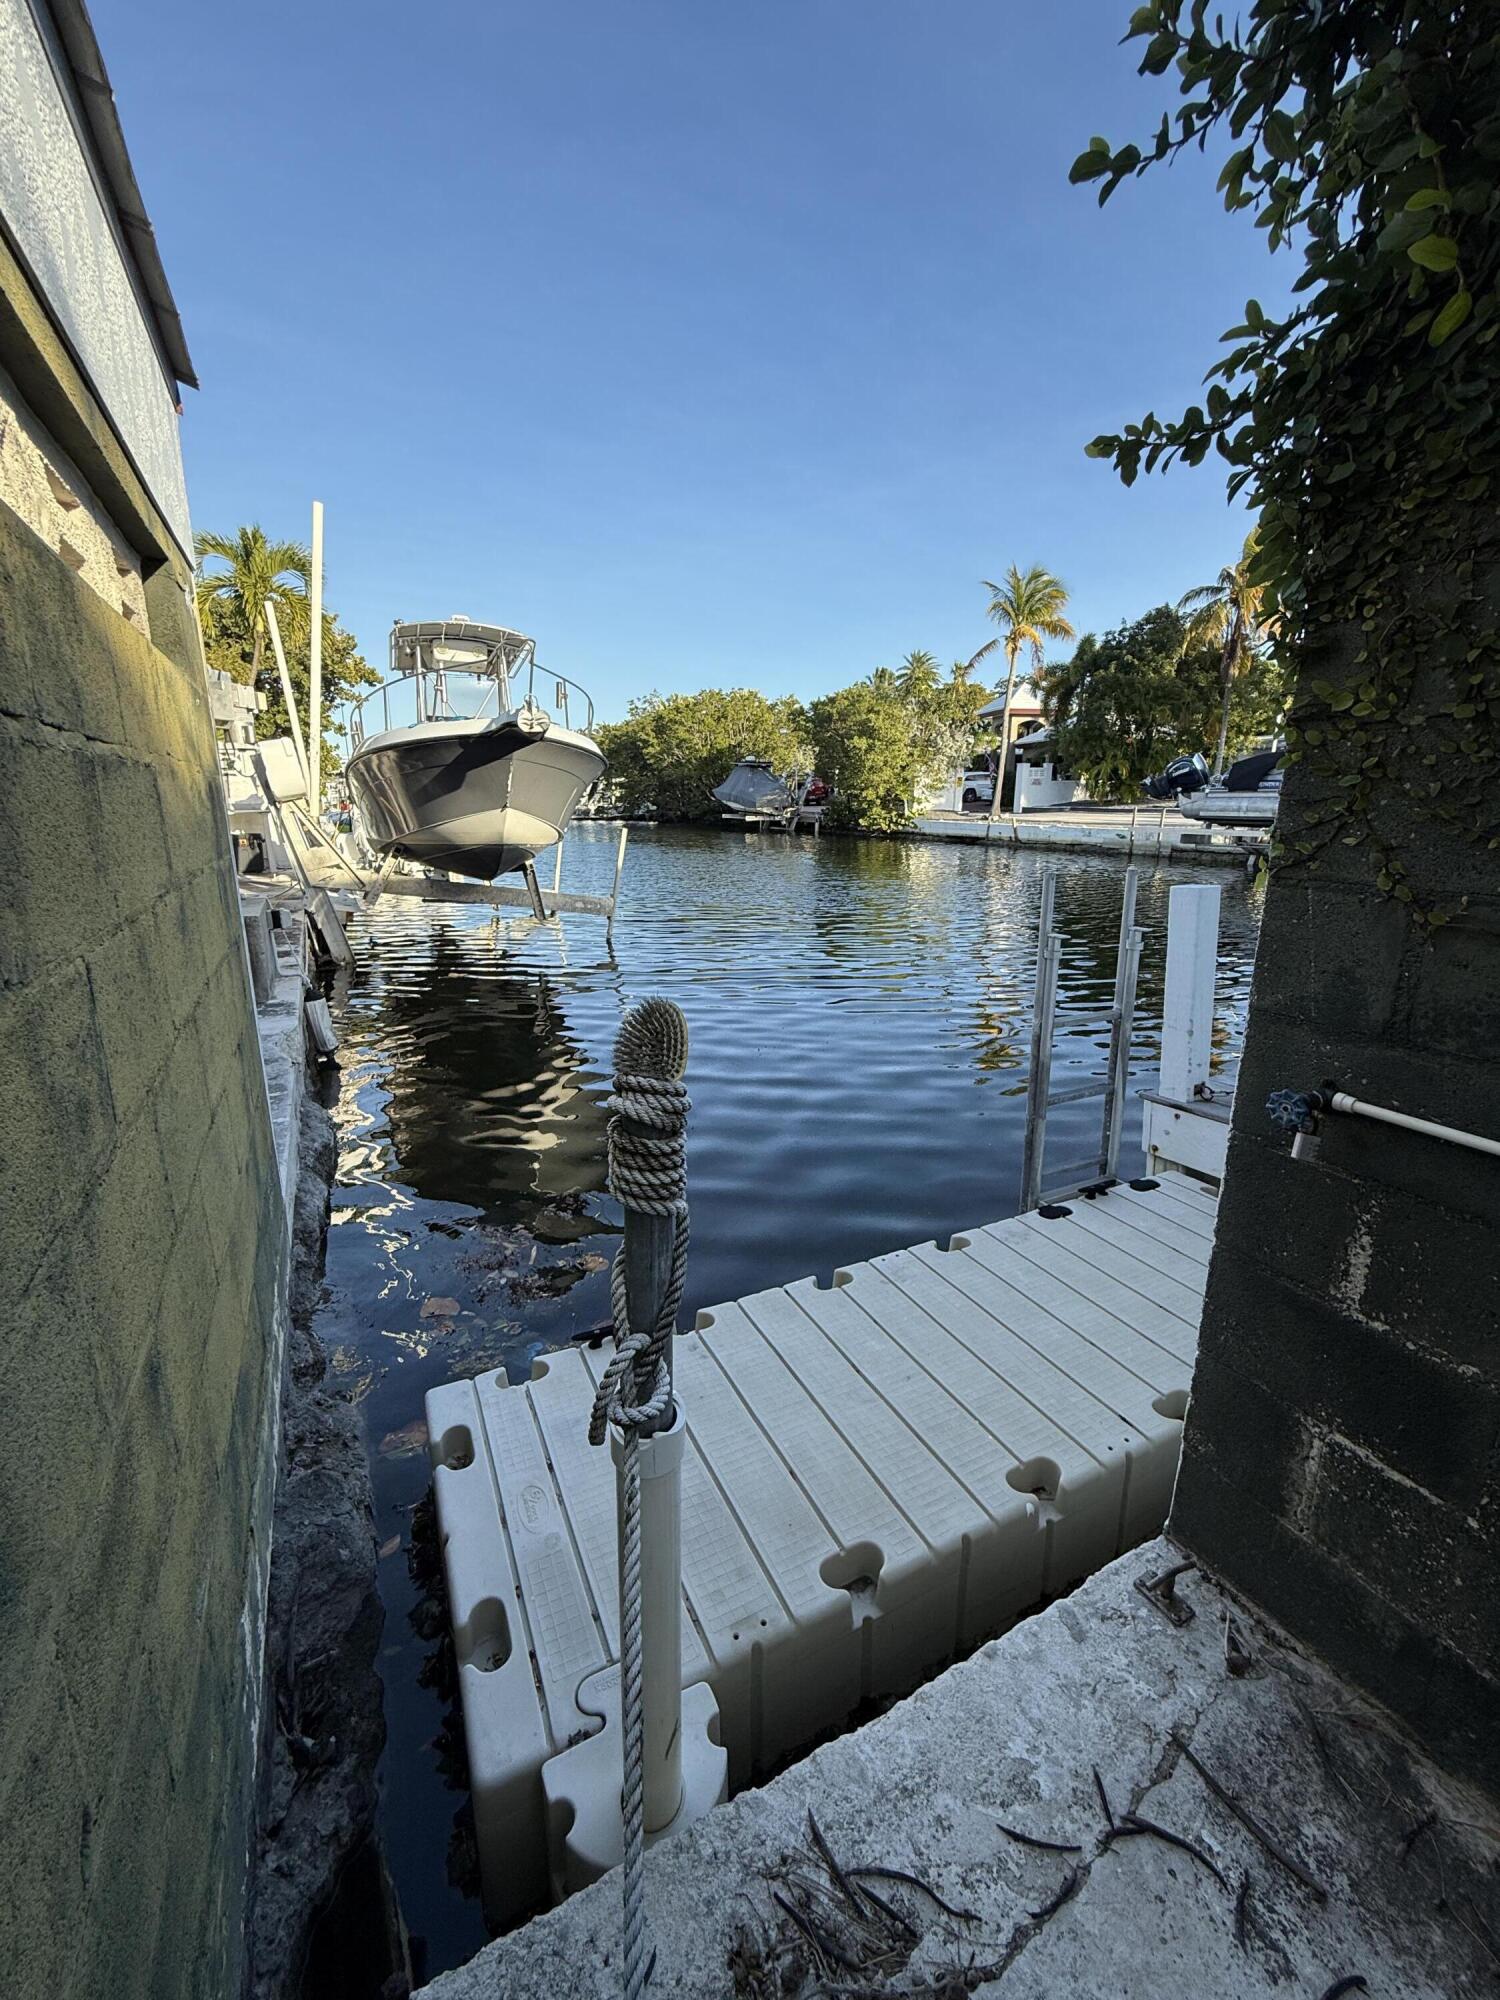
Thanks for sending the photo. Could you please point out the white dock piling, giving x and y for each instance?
(1188, 1007)
(614, 893)
(273, 626)
(1184, 1129)
(660, 1463)
(315, 669)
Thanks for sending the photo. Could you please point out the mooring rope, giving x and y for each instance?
(647, 1174)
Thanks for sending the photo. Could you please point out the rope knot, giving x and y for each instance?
(647, 1173)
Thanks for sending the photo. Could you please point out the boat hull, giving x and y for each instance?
(1250, 810)
(474, 798)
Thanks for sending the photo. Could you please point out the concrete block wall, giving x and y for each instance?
(142, 1258)
(1341, 1459)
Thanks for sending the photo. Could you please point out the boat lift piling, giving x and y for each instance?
(315, 669)
(273, 626)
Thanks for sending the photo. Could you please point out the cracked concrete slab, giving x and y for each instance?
(1382, 1870)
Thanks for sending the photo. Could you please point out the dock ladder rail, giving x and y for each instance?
(1111, 1086)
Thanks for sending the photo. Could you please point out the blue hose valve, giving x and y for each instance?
(1294, 1110)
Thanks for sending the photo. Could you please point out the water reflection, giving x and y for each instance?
(859, 1014)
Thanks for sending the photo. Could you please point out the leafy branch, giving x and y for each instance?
(1363, 135)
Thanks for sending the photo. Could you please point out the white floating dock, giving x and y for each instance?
(879, 1475)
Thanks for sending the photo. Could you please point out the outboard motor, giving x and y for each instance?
(1183, 774)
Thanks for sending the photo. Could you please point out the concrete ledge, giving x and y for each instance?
(1087, 833)
(1401, 1863)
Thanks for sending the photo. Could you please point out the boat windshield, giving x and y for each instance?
(457, 671)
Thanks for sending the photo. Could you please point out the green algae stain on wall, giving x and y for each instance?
(141, 1238)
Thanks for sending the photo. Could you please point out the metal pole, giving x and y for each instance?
(274, 628)
(1127, 957)
(315, 666)
(1044, 1000)
(649, 1242)
(557, 866)
(614, 894)
(1119, 1055)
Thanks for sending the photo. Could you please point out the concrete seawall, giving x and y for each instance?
(143, 1260)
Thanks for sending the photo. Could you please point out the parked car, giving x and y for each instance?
(979, 789)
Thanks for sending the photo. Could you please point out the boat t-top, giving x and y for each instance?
(454, 764)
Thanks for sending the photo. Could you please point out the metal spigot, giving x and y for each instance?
(1297, 1112)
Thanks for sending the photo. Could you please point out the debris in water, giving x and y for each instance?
(550, 1281)
(405, 1443)
(439, 1308)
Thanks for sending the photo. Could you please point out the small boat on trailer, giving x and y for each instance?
(455, 765)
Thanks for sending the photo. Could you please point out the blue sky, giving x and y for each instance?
(710, 345)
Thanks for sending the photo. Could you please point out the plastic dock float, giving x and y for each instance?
(879, 1475)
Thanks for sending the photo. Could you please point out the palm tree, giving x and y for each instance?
(1226, 613)
(918, 675)
(883, 680)
(1028, 607)
(257, 571)
(962, 669)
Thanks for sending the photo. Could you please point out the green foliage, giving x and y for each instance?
(231, 609)
(1227, 613)
(865, 747)
(879, 743)
(1126, 704)
(671, 750)
(885, 741)
(1364, 425)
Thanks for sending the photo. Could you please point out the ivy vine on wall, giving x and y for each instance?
(1364, 425)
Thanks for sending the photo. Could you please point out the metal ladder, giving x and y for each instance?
(1040, 1096)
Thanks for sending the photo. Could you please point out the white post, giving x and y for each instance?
(661, 1615)
(274, 628)
(1188, 1005)
(557, 866)
(315, 668)
(614, 893)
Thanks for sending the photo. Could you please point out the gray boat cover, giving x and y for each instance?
(753, 787)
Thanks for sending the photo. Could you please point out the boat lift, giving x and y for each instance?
(319, 862)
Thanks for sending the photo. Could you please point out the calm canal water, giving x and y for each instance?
(859, 1014)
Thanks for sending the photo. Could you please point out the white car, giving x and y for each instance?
(978, 789)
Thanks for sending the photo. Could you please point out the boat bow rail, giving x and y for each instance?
(454, 670)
